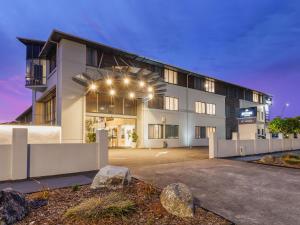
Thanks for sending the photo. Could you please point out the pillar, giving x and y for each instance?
(102, 147)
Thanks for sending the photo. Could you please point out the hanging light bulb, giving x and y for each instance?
(112, 92)
(93, 87)
(126, 80)
(131, 95)
(150, 95)
(109, 81)
(142, 83)
(150, 89)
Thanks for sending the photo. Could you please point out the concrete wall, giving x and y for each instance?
(219, 148)
(36, 134)
(5, 162)
(50, 159)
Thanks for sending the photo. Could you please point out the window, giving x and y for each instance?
(171, 76)
(210, 109)
(200, 107)
(200, 132)
(155, 131)
(210, 130)
(156, 103)
(91, 56)
(172, 131)
(171, 103)
(50, 110)
(255, 97)
(209, 85)
(52, 61)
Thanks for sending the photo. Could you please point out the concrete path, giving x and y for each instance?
(244, 193)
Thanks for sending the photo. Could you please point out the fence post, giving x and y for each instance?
(213, 145)
(280, 137)
(102, 148)
(291, 139)
(269, 138)
(19, 153)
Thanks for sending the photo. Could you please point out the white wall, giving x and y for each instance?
(53, 159)
(5, 162)
(36, 134)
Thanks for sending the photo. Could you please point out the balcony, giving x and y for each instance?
(35, 75)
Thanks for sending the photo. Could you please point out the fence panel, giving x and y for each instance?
(5, 162)
(226, 148)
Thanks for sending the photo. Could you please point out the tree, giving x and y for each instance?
(285, 126)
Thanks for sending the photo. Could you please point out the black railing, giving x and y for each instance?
(30, 81)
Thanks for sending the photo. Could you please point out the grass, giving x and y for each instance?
(112, 205)
(291, 159)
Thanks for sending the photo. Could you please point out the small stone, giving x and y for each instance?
(13, 206)
(111, 177)
(178, 200)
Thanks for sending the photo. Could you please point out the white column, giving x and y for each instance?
(19, 153)
(213, 145)
(102, 147)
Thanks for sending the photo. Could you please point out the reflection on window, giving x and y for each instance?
(209, 85)
(200, 107)
(171, 76)
(200, 132)
(172, 131)
(155, 131)
(171, 103)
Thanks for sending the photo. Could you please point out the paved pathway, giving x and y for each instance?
(242, 192)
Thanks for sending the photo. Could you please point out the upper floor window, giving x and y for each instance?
(200, 107)
(155, 131)
(171, 76)
(209, 85)
(255, 97)
(52, 61)
(91, 56)
(171, 103)
(211, 109)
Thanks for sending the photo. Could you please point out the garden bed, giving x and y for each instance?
(287, 160)
(142, 206)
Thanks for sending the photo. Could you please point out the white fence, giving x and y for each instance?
(21, 160)
(219, 148)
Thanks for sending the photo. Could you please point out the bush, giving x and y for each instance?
(291, 159)
(75, 187)
(112, 205)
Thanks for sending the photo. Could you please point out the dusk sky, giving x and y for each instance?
(254, 43)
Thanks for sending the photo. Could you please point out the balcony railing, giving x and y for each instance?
(35, 74)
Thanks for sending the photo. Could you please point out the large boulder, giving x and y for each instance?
(268, 159)
(178, 200)
(112, 177)
(13, 206)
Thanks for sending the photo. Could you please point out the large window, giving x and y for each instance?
(155, 131)
(200, 107)
(171, 103)
(50, 110)
(91, 56)
(171, 76)
(210, 130)
(200, 132)
(255, 97)
(209, 85)
(210, 109)
(172, 131)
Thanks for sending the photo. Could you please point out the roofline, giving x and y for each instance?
(27, 41)
(24, 112)
(63, 35)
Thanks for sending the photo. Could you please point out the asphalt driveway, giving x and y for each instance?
(244, 193)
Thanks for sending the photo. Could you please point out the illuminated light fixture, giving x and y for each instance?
(93, 87)
(126, 80)
(150, 95)
(112, 92)
(142, 83)
(150, 89)
(287, 104)
(131, 95)
(109, 81)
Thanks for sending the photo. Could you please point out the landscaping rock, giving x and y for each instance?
(268, 159)
(178, 200)
(35, 204)
(13, 206)
(111, 177)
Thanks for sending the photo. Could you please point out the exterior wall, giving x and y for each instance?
(70, 96)
(185, 117)
(5, 162)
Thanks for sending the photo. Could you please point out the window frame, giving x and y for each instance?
(172, 125)
(200, 107)
(158, 137)
(174, 103)
(170, 76)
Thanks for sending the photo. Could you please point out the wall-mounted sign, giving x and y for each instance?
(250, 112)
(247, 120)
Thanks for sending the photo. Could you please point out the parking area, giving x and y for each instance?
(133, 158)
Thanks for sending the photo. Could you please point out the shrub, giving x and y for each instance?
(112, 205)
(43, 194)
(75, 187)
(291, 159)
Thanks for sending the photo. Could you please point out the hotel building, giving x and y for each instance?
(81, 85)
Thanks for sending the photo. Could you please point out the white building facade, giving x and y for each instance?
(181, 112)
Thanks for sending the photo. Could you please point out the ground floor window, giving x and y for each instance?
(50, 110)
(172, 131)
(155, 131)
(203, 132)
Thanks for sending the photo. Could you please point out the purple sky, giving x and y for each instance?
(255, 43)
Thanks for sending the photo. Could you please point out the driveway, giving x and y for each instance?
(244, 193)
(141, 157)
